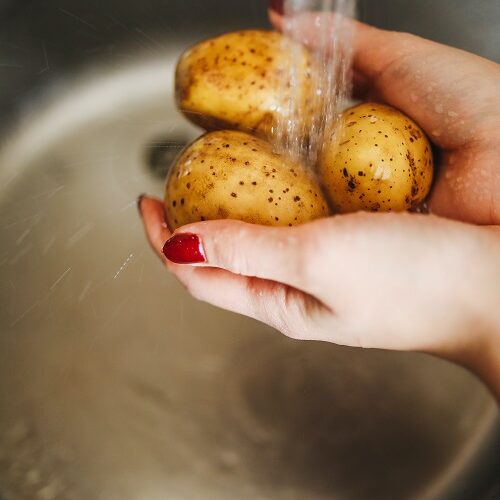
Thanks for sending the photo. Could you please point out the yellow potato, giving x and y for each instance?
(379, 160)
(232, 175)
(238, 81)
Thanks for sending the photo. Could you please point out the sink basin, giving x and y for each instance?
(115, 384)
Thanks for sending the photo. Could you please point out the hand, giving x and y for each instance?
(405, 282)
(453, 95)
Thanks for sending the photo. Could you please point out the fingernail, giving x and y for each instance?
(184, 248)
(139, 201)
(277, 6)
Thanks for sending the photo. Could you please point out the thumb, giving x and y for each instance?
(272, 253)
(440, 87)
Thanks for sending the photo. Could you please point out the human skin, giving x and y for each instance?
(428, 283)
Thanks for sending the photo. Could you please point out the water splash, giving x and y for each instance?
(123, 266)
(315, 87)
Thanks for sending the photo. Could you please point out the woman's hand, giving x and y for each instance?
(407, 282)
(453, 95)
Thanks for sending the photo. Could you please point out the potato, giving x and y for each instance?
(379, 160)
(238, 81)
(232, 175)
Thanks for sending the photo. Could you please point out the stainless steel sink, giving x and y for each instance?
(114, 384)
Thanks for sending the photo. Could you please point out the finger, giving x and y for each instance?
(271, 253)
(152, 212)
(286, 309)
(306, 31)
(426, 80)
(362, 90)
(367, 40)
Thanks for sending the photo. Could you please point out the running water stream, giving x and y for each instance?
(315, 91)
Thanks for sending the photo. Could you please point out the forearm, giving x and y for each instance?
(489, 369)
(483, 357)
(484, 362)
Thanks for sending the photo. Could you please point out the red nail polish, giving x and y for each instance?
(139, 202)
(184, 248)
(277, 6)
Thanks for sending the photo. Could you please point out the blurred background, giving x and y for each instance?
(114, 384)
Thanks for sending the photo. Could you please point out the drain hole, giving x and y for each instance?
(161, 154)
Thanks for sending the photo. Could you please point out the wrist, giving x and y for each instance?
(482, 355)
(484, 362)
(492, 369)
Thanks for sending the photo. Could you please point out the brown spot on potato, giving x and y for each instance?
(222, 212)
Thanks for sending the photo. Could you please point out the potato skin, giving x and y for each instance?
(232, 175)
(379, 160)
(235, 81)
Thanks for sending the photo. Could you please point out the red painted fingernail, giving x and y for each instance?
(139, 202)
(184, 248)
(277, 6)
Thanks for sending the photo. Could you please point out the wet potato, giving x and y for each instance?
(379, 160)
(233, 175)
(235, 81)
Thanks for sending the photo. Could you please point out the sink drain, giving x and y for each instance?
(161, 153)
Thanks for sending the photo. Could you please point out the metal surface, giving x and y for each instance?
(114, 384)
